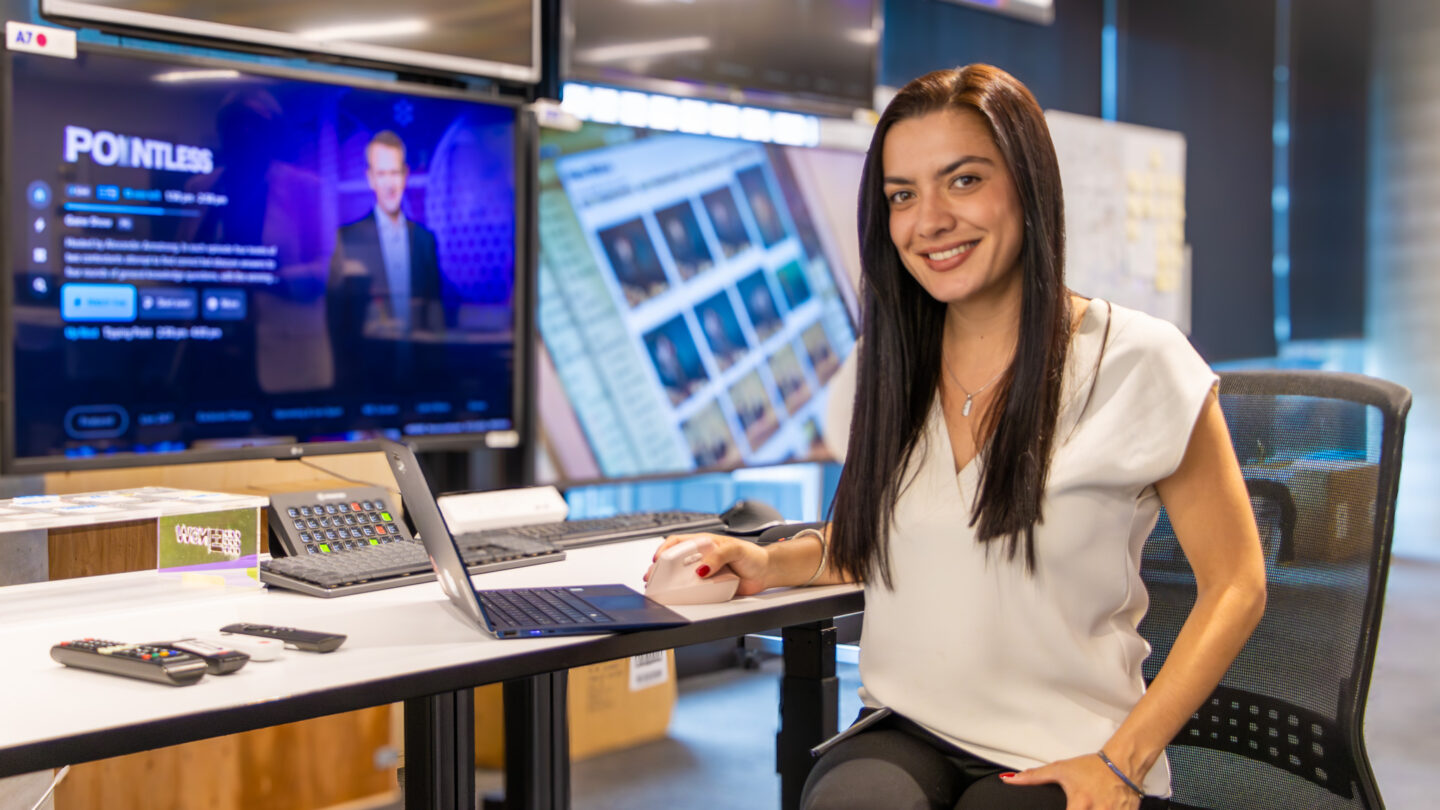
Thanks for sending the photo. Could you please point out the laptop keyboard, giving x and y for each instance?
(545, 607)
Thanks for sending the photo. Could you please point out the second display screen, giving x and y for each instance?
(694, 300)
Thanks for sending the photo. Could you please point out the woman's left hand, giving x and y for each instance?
(1088, 784)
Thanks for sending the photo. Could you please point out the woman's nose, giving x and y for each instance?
(933, 217)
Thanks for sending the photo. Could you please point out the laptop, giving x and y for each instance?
(517, 612)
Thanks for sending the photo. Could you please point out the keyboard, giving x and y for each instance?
(594, 531)
(540, 606)
(391, 565)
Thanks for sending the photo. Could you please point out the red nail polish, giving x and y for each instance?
(703, 571)
(1008, 775)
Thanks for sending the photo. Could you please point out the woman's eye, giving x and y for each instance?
(964, 180)
(897, 197)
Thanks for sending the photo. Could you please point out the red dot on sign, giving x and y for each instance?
(40, 38)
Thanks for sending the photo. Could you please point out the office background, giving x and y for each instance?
(1313, 172)
(1310, 180)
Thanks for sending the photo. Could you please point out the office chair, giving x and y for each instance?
(1283, 731)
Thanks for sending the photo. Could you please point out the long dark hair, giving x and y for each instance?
(900, 355)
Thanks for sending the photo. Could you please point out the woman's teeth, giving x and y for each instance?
(951, 253)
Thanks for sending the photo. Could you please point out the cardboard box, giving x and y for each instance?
(612, 705)
(1335, 506)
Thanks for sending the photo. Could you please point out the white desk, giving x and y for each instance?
(404, 644)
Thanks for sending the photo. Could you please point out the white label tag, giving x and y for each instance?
(502, 438)
(648, 670)
(40, 39)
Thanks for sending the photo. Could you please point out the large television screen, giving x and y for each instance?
(788, 53)
(695, 299)
(495, 38)
(202, 257)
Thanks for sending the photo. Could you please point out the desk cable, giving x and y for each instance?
(308, 463)
(54, 783)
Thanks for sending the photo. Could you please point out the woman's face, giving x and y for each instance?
(955, 216)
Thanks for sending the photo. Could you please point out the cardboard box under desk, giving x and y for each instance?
(612, 705)
(1335, 506)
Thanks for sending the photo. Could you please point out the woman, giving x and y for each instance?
(1011, 446)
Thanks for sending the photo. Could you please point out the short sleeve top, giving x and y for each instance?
(1027, 668)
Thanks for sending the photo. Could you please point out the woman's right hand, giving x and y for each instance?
(745, 559)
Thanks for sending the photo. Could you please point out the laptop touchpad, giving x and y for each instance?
(616, 603)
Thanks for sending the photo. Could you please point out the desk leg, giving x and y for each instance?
(537, 743)
(809, 704)
(440, 752)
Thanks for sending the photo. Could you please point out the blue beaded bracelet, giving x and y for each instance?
(1120, 773)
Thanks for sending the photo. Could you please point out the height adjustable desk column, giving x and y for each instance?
(537, 751)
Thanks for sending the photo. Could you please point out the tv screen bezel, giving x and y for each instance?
(117, 20)
(833, 106)
(1042, 13)
(517, 436)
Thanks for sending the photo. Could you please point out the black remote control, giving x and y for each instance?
(144, 661)
(219, 659)
(307, 640)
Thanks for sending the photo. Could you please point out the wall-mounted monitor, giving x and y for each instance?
(496, 38)
(696, 298)
(821, 55)
(202, 258)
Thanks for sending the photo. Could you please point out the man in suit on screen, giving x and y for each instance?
(384, 286)
(385, 272)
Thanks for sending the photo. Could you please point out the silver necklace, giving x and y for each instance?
(969, 395)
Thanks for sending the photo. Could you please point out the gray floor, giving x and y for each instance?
(719, 754)
(1402, 725)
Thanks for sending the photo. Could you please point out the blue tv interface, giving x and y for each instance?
(207, 257)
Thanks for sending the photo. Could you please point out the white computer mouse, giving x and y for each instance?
(674, 581)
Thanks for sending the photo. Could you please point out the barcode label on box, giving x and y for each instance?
(648, 670)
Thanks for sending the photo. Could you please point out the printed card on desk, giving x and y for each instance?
(212, 546)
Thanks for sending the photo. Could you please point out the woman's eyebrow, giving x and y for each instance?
(948, 168)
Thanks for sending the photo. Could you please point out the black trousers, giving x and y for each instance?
(899, 765)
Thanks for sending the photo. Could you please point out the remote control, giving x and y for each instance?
(259, 649)
(307, 640)
(219, 659)
(144, 661)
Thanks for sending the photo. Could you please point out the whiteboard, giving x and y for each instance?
(1124, 214)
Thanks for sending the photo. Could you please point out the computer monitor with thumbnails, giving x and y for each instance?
(696, 298)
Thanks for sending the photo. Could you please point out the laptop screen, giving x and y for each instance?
(431, 530)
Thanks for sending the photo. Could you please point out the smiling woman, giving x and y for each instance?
(1011, 446)
(963, 244)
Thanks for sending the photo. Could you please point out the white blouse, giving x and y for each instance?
(1024, 669)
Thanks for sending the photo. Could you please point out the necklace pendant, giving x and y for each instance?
(965, 409)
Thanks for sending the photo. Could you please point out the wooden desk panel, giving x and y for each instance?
(110, 548)
(299, 766)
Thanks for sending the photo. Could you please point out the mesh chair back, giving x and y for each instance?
(1321, 457)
